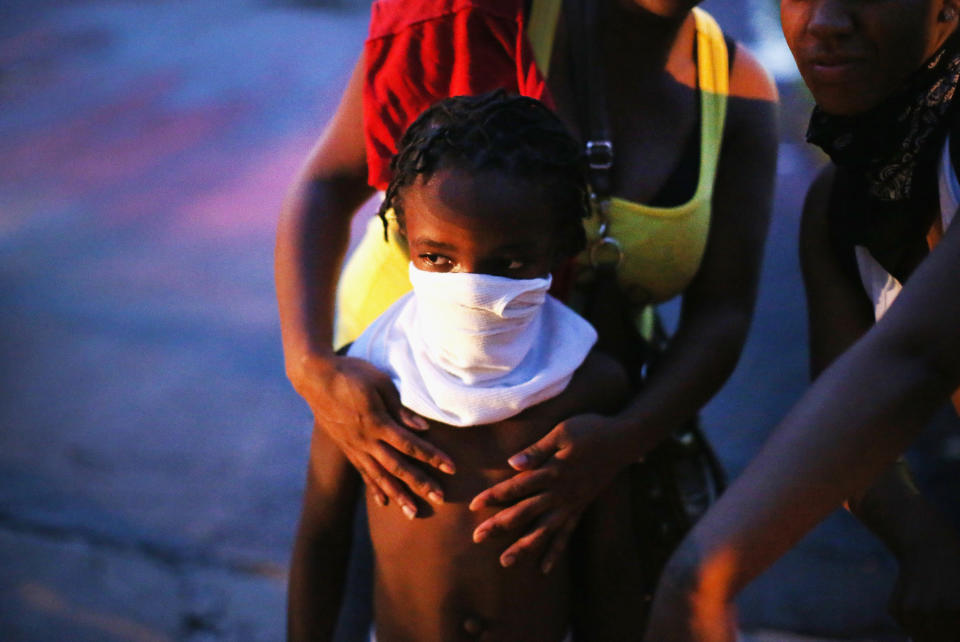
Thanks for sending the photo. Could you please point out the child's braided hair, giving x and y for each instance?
(517, 135)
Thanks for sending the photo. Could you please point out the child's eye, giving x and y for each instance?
(436, 260)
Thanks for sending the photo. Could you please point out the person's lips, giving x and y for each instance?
(834, 68)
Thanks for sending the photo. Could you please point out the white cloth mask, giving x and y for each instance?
(469, 349)
(477, 327)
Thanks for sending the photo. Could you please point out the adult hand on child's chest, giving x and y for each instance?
(558, 477)
(358, 406)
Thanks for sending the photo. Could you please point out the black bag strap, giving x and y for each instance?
(605, 306)
(582, 20)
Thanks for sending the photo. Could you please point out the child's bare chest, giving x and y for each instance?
(442, 578)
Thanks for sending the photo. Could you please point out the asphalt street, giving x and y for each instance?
(152, 453)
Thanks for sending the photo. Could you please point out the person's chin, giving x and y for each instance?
(838, 94)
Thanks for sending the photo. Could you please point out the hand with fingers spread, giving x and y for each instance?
(359, 408)
(558, 476)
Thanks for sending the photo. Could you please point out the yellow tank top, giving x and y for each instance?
(662, 246)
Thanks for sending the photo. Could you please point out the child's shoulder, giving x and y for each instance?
(602, 378)
(599, 385)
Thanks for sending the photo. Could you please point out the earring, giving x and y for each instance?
(947, 14)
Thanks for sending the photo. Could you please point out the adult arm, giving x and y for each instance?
(849, 427)
(926, 597)
(927, 594)
(568, 467)
(353, 402)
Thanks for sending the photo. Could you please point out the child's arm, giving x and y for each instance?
(611, 585)
(599, 385)
(612, 588)
(321, 549)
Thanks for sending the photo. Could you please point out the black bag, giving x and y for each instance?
(673, 487)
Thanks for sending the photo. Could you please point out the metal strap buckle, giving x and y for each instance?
(599, 154)
(606, 252)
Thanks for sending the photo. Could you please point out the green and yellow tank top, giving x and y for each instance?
(662, 246)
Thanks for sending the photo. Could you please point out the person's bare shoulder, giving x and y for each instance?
(599, 385)
(749, 79)
(602, 383)
(750, 133)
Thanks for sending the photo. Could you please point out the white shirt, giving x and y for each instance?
(881, 286)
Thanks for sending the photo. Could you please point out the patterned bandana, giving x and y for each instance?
(885, 194)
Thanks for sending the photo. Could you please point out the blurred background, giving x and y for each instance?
(152, 453)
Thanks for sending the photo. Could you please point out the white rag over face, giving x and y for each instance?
(471, 349)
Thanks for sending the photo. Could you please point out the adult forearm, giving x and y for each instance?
(314, 230)
(853, 422)
(834, 443)
(312, 238)
(699, 360)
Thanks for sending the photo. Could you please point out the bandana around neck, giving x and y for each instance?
(474, 349)
(885, 195)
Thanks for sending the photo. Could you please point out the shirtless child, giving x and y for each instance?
(489, 194)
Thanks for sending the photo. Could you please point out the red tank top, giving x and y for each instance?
(421, 51)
